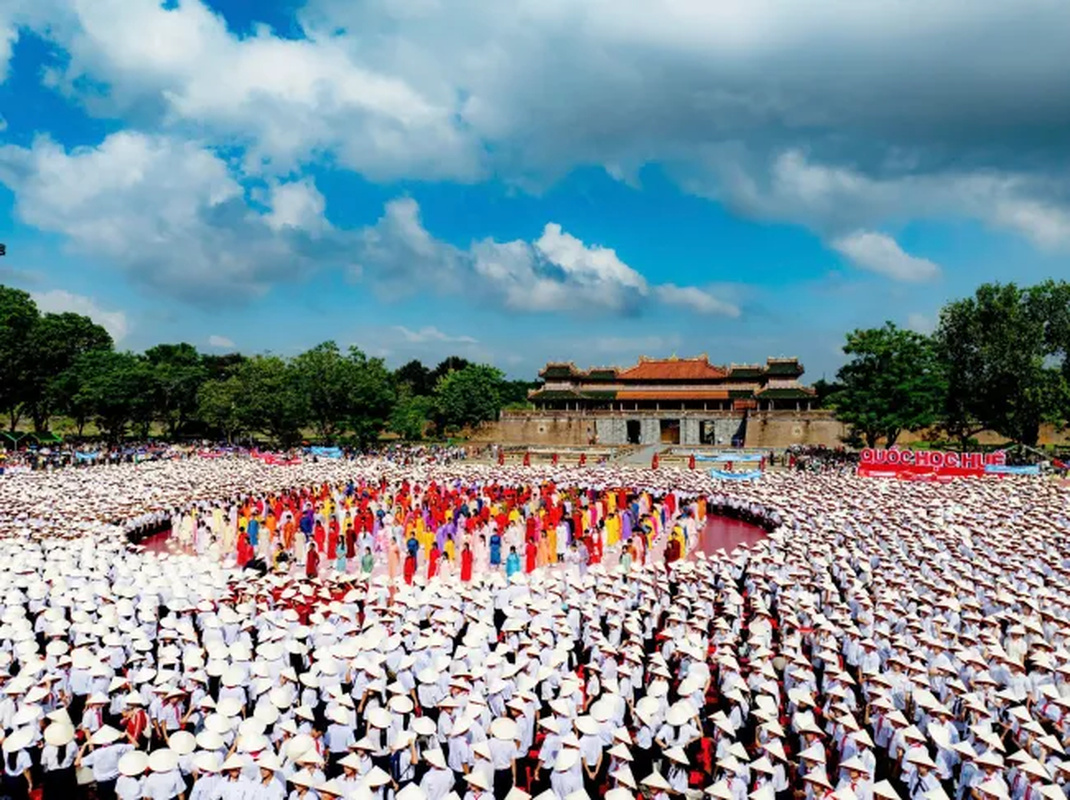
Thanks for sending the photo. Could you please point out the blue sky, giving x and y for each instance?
(527, 181)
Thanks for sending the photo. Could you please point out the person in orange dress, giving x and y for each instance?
(393, 560)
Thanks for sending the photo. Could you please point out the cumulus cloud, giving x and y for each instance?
(296, 204)
(695, 299)
(170, 213)
(555, 272)
(220, 342)
(60, 301)
(287, 99)
(431, 334)
(854, 116)
(880, 253)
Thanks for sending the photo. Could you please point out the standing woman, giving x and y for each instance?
(18, 783)
(58, 778)
(393, 559)
(340, 556)
(312, 562)
(466, 564)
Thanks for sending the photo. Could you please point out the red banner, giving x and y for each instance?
(926, 464)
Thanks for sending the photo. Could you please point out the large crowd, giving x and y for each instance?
(884, 640)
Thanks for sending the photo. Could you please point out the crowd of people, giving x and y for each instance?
(886, 639)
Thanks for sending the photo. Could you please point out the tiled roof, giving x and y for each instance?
(669, 397)
(672, 369)
(784, 367)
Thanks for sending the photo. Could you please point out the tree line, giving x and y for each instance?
(997, 361)
(66, 365)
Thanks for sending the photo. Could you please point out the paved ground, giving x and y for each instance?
(641, 457)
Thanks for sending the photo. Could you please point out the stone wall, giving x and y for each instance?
(781, 429)
(764, 429)
(612, 430)
(547, 428)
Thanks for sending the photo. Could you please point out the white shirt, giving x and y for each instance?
(240, 789)
(437, 783)
(163, 785)
(50, 757)
(501, 753)
(104, 761)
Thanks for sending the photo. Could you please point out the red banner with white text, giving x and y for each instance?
(926, 464)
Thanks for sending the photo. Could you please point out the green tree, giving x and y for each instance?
(514, 394)
(469, 396)
(271, 399)
(223, 366)
(54, 343)
(346, 392)
(114, 389)
(326, 378)
(178, 373)
(1001, 348)
(416, 376)
(444, 368)
(18, 317)
(220, 405)
(893, 382)
(411, 414)
(372, 396)
(825, 389)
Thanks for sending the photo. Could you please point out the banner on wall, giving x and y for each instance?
(994, 469)
(915, 464)
(736, 476)
(733, 457)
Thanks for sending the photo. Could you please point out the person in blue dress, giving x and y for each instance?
(495, 550)
(512, 563)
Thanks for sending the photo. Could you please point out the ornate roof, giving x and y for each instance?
(672, 369)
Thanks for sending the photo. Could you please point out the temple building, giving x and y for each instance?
(672, 400)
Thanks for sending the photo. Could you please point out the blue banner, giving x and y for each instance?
(725, 457)
(736, 476)
(326, 452)
(87, 456)
(996, 469)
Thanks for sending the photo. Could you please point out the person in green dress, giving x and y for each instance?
(367, 561)
(340, 555)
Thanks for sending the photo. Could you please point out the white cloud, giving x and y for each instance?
(836, 200)
(59, 301)
(856, 116)
(880, 253)
(695, 299)
(220, 342)
(585, 265)
(431, 334)
(921, 323)
(170, 213)
(288, 99)
(555, 272)
(297, 204)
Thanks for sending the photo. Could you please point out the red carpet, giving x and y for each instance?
(727, 533)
